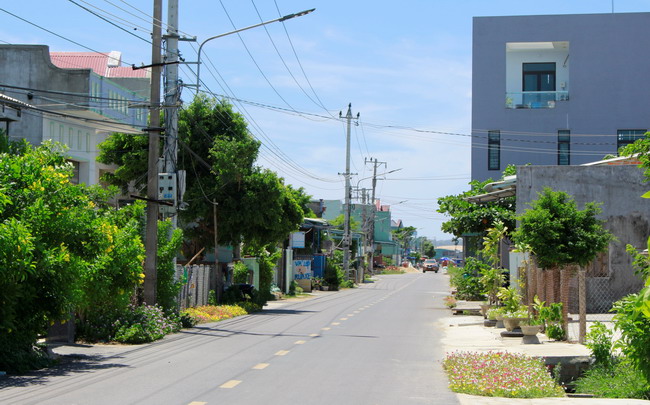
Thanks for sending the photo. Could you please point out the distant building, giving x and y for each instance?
(557, 89)
(68, 99)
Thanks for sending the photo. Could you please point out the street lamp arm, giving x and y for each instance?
(380, 174)
(281, 19)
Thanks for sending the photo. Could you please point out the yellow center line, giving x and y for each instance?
(197, 403)
(230, 384)
(261, 366)
(326, 328)
(336, 323)
(299, 342)
(314, 335)
(282, 353)
(344, 319)
(350, 314)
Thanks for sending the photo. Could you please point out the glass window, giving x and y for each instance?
(539, 77)
(563, 147)
(628, 136)
(494, 150)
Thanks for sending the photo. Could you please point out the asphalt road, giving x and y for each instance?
(378, 344)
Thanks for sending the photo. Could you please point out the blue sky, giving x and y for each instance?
(404, 66)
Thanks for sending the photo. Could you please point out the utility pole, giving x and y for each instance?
(375, 163)
(151, 237)
(348, 193)
(172, 94)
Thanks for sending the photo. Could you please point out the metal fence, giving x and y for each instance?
(194, 291)
(602, 288)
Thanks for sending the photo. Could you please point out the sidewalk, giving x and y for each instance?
(467, 333)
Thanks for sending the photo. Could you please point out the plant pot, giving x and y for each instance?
(511, 323)
(530, 330)
(484, 309)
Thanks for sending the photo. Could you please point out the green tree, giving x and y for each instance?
(558, 233)
(469, 218)
(218, 154)
(428, 248)
(404, 236)
(61, 250)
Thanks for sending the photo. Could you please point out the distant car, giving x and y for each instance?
(430, 265)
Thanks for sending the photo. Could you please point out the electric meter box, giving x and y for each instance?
(167, 187)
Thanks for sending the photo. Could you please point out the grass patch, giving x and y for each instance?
(620, 380)
(390, 270)
(500, 374)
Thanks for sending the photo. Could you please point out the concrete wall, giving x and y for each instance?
(627, 216)
(29, 66)
(608, 86)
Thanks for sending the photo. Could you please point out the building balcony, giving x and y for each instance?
(535, 99)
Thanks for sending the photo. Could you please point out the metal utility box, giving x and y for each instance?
(167, 187)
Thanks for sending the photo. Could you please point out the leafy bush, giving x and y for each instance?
(348, 284)
(635, 332)
(618, 380)
(61, 250)
(144, 323)
(333, 275)
(599, 341)
(466, 280)
(234, 295)
(294, 288)
(250, 307)
(167, 287)
(187, 320)
(240, 273)
(500, 374)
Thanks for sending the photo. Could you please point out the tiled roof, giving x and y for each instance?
(104, 64)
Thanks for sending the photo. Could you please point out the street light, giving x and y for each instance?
(380, 174)
(281, 19)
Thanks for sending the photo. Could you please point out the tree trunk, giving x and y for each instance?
(531, 285)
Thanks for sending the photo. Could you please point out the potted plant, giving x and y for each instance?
(512, 319)
(551, 318)
(530, 328)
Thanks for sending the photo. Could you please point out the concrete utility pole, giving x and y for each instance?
(348, 194)
(375, 163)
(172, 93)
(151, 237)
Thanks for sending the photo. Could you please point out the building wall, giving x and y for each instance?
(30, 67)
(606, 82)
(627, 216)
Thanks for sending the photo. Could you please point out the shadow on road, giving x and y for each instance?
(68, 365)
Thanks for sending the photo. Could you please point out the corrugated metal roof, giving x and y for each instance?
(103, 64)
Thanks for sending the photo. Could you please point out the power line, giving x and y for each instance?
(110, 22)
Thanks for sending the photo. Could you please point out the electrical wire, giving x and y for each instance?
(110, 22)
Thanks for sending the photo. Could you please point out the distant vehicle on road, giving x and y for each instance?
(430, 265)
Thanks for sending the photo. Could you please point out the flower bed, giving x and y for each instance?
(213, 313)
(500, 374)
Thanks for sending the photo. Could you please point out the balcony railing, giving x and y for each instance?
(535, 99)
